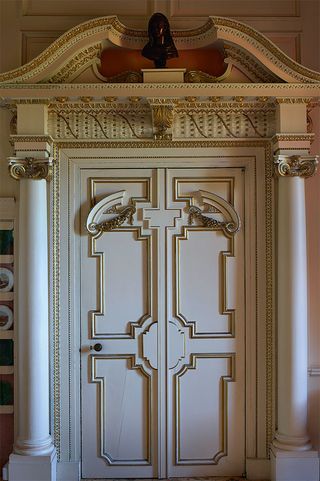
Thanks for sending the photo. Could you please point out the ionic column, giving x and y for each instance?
(34, 456)
(292, 303)
(292, 458)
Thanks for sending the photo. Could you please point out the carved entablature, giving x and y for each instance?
(103, 50)
(162, 119)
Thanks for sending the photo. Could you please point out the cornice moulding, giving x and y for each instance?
(99, 91)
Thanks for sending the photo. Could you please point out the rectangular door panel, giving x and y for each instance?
(201, 409)
(119, 386)
(124, 266)
(205, 303)
(200, 301)
(125, 425)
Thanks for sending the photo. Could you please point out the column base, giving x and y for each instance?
(32, 468)
(294, 465)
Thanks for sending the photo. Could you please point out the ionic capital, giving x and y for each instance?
(30, 168)
(295, 165)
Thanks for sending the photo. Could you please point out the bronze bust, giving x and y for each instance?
(160, 46)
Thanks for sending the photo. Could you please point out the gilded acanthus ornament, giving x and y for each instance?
(295, 165)
(162, 116)
(30, 168)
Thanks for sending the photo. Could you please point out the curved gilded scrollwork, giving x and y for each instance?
(196, 213)
(30, 168)
(295, 165)
(197, 76)
(126, 214)
(215, 203)
(112, 204)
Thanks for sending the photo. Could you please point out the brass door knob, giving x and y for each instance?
(97, 347)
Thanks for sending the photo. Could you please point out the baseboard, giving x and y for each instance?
(68, 471)
(258, 469)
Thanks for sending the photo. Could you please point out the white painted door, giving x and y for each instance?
(162, 297)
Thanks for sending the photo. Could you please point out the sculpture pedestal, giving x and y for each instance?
(163, 75)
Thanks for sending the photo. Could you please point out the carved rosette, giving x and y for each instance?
(295, 165)
(31, 168)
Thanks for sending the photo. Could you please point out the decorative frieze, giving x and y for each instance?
(293, 100)
(30, 168)
(100, 122)
(161, 118)
(295, 165)
(223, 123)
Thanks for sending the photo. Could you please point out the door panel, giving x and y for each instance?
(124, 424)
(205, 299)
(119, 386)
(162, 289)
(198, 278)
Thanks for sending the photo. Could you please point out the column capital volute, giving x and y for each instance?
(295, 165)
(30, 168)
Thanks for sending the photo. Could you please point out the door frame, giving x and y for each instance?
(256, 159)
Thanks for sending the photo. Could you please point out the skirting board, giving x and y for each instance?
(68, 471)
(258, 469)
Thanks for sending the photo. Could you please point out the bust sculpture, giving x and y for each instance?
(160, 46)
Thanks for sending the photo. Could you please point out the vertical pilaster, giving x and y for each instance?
(292, 458)
(34, 456)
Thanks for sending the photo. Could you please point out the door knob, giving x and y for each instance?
(97, 347)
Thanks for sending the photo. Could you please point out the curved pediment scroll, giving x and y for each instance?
(75, 55)
(110, 213)
(225, 218)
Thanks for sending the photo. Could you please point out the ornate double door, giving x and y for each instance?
(162, 308)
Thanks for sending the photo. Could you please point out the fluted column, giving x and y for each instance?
(34, 456)
(292, 457)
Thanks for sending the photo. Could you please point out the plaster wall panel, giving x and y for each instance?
(310, 38)
(249, 8)
(289, 43)
(34, 43)
(313, 242)
(10, 34)
(83, 7)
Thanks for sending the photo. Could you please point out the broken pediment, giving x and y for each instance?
(103, 50)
